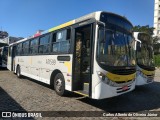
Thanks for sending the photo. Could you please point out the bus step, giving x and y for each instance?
(86, 87)
(82, 92)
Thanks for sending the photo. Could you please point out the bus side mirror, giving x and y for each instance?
(101, 23)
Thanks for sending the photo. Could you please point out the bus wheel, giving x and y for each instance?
(18, 72)
(59, 84)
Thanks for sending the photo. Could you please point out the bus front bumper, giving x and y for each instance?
(140, 80)
(103, 90)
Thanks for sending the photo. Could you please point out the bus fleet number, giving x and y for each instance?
(51, 61)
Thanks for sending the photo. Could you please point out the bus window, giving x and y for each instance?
(25, 48)
(54, 45)
(44, 44)
(19, 49)
(61, 41)
(34, 46)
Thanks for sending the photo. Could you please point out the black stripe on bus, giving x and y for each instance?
(63, 58)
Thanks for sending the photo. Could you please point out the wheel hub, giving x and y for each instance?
(59, 85)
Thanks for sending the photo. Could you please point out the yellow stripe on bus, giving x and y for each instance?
(81, 93)
(62, 26)
(68, 65)
(115, 77)
(146, 72)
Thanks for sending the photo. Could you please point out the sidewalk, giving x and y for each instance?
(157, 74)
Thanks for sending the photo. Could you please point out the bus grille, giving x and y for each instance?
(150, 76)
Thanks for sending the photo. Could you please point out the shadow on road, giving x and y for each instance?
(145, 97)
(3, 69)
(68, 93)
(7, 103)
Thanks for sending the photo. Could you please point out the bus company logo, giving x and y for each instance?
(6, 114)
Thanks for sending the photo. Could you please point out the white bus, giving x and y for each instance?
(92, 55)
(3, 56)
(144, 58)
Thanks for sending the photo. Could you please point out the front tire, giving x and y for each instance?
(59, 84)
(19, 72)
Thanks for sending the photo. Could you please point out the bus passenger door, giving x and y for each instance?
(82, 59)
(13, 54)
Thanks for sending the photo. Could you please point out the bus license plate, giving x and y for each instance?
(125, 88)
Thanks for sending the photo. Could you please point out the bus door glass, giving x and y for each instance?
(82, 59)
(0, 56)
(12, 58)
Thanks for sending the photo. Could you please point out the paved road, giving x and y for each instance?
(28, 95)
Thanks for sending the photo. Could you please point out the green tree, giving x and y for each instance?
(155, 40)
(156, 44)
(146, 29)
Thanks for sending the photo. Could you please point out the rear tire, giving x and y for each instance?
(59, 84)
(18, 72)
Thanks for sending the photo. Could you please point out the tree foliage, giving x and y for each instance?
(148, 30)
(156, 44)
(155, 40)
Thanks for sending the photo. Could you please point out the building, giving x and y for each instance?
(11, 39)
(8, 40)
(3, 34)
(5, 39)
(157, 18)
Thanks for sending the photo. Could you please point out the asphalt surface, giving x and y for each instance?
(29, 95)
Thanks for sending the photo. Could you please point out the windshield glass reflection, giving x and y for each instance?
(116, 49)
(145, 54)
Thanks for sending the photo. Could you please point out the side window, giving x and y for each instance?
(61, 36)
(33, 46)
(19, 49)
(61, 41)
(44, 44)
(55, 45)
(25, 47)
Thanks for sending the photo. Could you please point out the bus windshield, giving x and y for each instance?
(145, 54)
(116, 49)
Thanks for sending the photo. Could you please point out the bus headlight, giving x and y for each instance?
(104, 78)
(112, 83)
(101, 75)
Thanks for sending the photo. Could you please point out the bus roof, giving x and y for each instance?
(94, 15)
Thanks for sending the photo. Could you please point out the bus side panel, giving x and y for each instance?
(9, 63)
(40, 67)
